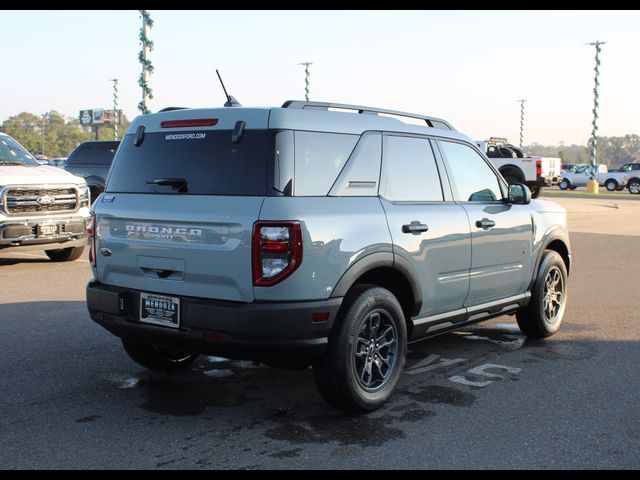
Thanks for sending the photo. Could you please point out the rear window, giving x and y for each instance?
(103, 154)
(208, 161)
(80, 155)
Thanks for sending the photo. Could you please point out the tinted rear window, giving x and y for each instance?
(103, 154)
(208, 160)
(80, 155)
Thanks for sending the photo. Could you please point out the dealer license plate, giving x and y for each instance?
(160, 310)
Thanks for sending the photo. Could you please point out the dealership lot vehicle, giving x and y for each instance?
(91, 160)
(516, 167)
(580, 176)
(41, 207)
(299, 235)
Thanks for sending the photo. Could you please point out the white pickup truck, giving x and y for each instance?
(515, 167)
(41, 207)
(582, 173)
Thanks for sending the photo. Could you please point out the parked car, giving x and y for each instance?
(41, 207)
(58, 161)
(633, 180)
(612, 181)
(91, 160)
(517, 167)
(301, 235)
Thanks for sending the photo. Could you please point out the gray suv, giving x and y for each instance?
(91, 160)
(315, 234)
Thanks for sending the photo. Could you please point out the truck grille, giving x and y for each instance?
(40, 199)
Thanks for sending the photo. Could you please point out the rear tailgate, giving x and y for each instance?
(551, 167)
(181, 245)
(180, 202)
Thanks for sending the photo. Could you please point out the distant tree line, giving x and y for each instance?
(62, 134)
(613, 151)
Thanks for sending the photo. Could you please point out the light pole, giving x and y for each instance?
(115, 108)
(592, 186)
(522, 124)
(143, 57)
(306, 79)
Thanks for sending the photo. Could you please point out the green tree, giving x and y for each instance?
(50, 134)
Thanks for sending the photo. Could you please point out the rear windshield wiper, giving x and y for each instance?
(179, 183)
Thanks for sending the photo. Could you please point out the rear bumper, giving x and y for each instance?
(247, 331)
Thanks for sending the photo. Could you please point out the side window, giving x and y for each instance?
(102, 155)
(360, 176)
(81, 155)
(283, 167)
(409, 171)
(471, 178)
(319, 158)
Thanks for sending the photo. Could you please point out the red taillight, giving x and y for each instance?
(538, 167)
(277, 251)
(91, 232)
(194, 122)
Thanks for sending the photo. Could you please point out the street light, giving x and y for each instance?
(592, 186)
(306, 79)
(522, 124)
(115, 108)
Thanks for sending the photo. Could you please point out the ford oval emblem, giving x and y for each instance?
(45, 200)
(105, 252)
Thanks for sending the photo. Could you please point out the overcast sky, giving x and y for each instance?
(467, 67)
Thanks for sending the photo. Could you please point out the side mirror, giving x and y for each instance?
(519, 194)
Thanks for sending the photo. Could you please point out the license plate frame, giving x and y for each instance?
(48, 229)
(160, 310)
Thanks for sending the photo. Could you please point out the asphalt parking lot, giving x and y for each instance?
(483, 397)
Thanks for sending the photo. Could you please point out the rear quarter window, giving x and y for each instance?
(319, 158)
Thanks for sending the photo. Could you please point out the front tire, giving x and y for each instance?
(543, 316)
(65, 254)
(366, 352)
(564, 185)
(158, 358)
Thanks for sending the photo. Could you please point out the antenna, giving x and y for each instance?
(231, 101)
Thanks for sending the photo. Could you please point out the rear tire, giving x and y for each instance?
(65, 254)
(543, 316)
(158, 358)
(634, 186)
(366, 352)
(535, 192)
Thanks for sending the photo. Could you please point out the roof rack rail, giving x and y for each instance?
(430, 121)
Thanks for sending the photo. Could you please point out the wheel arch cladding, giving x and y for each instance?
(379, 270)
(557, 245)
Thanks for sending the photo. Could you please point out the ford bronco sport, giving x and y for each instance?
(41, 207)
(315, 234)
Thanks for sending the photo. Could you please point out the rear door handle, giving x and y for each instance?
(415, 228)
(485, 224)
